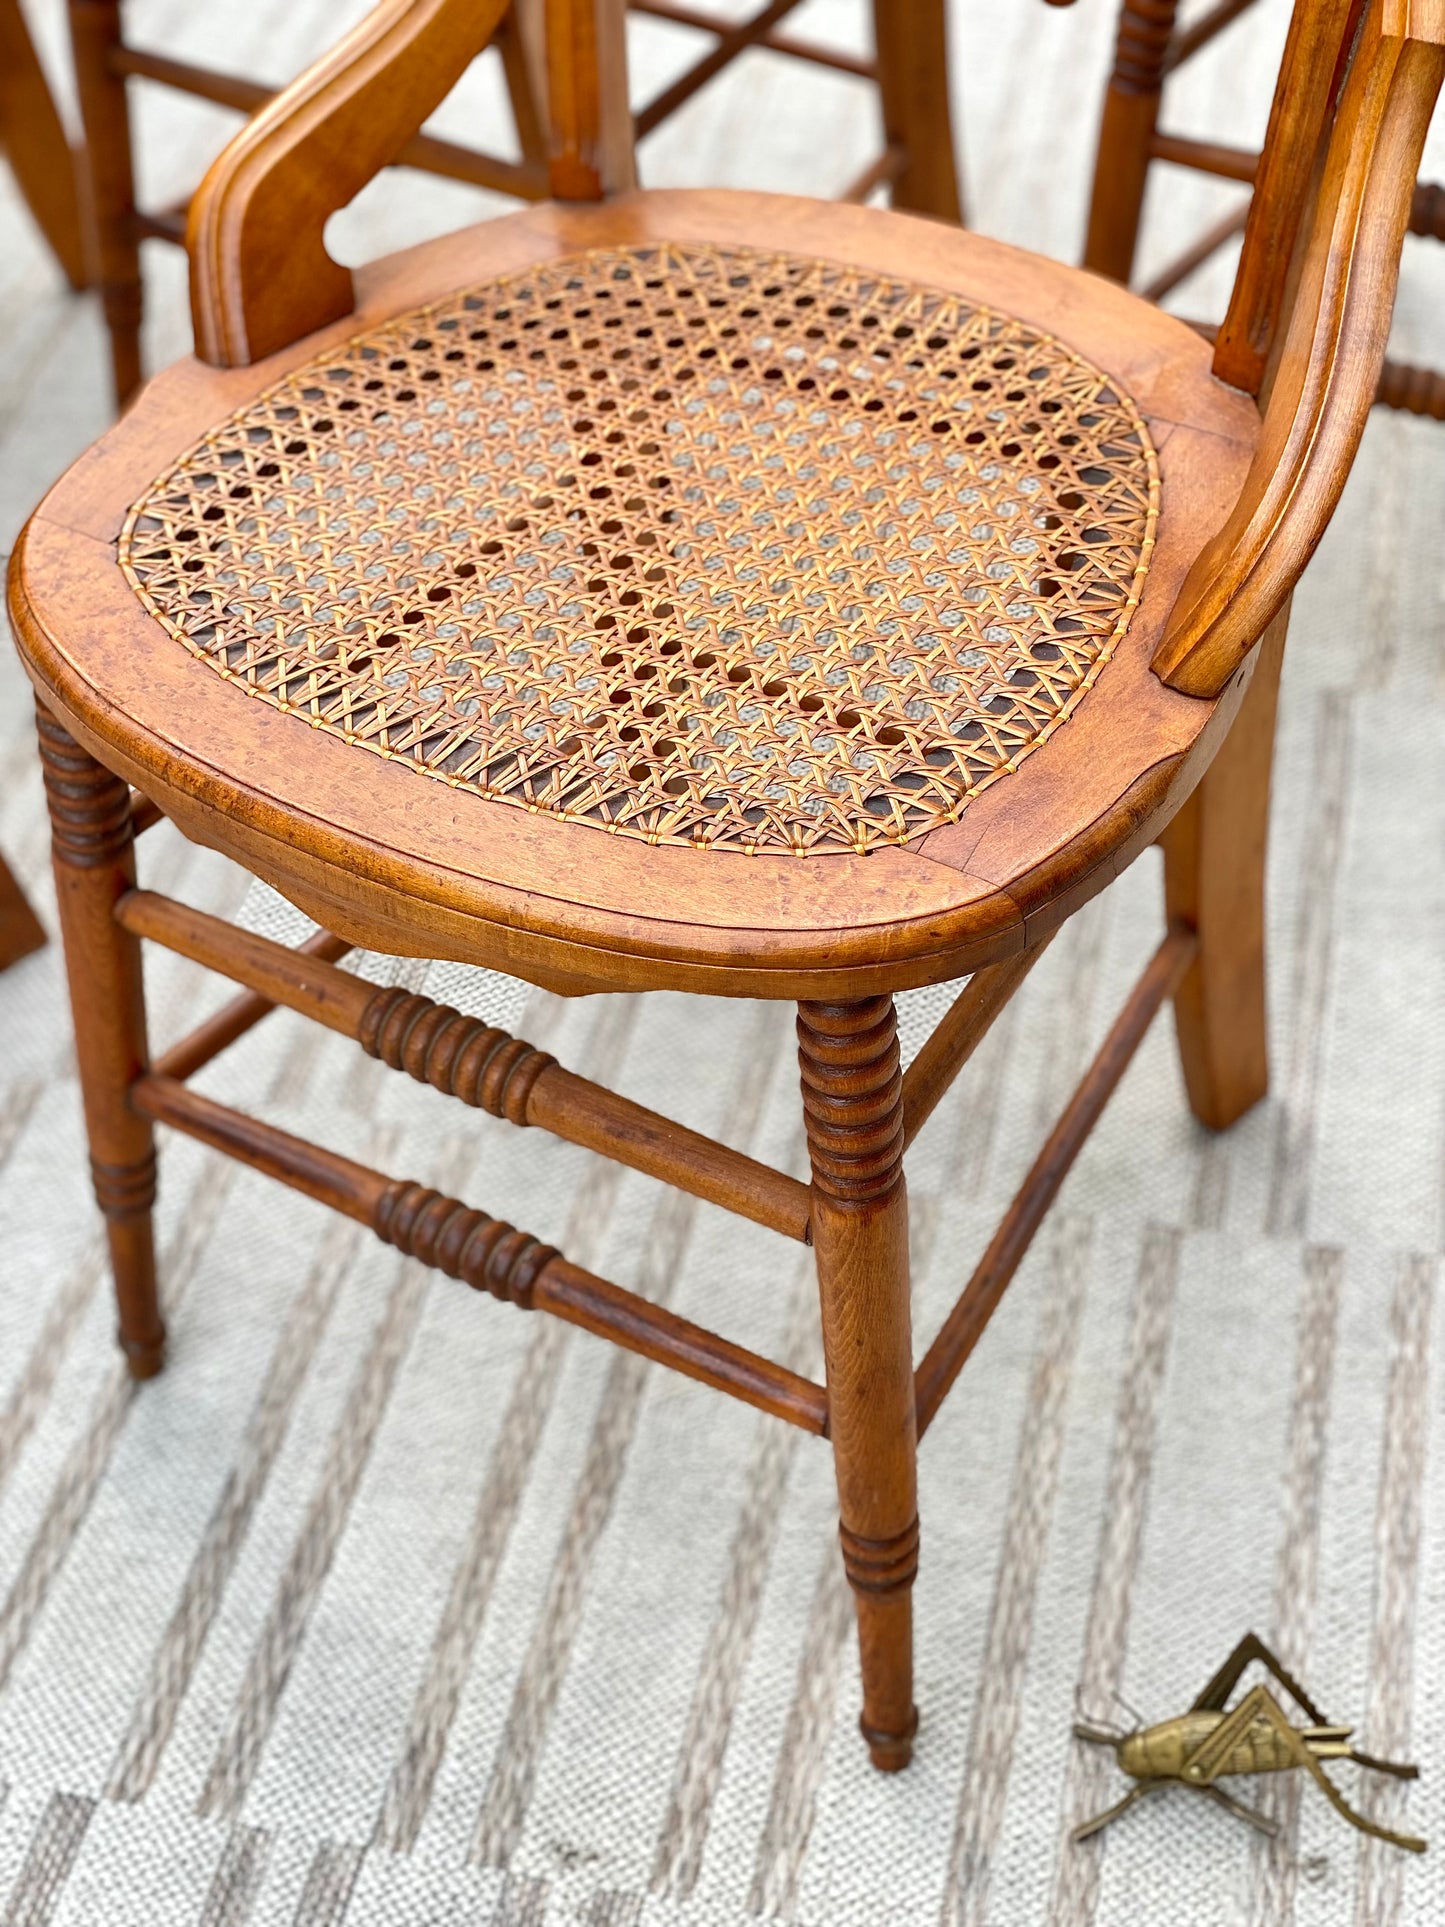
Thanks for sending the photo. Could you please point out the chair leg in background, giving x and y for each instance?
(1131, 113)
(1214, 863)
(853, 1105)
(34, 140)
(95, 33)
(20, 929)
(94, 851)
(911, 44)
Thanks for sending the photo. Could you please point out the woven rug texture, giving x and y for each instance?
(391, 1606)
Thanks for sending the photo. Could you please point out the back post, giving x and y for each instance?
(1321, 36)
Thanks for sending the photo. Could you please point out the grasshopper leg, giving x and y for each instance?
(1250, 1815)
(1088, 1828)
(1396, 1768)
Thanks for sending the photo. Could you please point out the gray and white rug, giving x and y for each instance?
(388, 1605)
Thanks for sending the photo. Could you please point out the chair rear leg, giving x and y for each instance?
(1126, 131)
(911, 43)
(105, 114)
(853, 1106)
(1214, 863)
(94, 851)
(20, 930)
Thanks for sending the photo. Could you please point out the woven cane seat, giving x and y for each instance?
(706, 546)
(698, 590)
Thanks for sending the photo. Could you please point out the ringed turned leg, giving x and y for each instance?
(1214, 859)
(1126, 133)
(95, 35)
(20, 930)
(910, 38)
(94, 851)
(853, 1106)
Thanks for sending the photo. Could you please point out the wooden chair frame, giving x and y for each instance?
(910, 70)
(1150, 46)
(1305, 331)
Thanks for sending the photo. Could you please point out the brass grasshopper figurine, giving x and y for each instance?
(1202, 1746)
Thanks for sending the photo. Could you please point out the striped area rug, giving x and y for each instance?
(389, 1605)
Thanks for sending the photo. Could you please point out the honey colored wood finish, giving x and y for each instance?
(646, 718)
(34, 142)
(1150, 46)
(853, 1109)
(421, 47)
(94, 853)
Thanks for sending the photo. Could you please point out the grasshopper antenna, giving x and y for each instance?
(1136, 1716)
(1097, 1732)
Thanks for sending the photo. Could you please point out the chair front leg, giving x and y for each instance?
(853, 1106)
(94, 851)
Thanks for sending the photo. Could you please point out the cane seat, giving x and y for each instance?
(659, 565)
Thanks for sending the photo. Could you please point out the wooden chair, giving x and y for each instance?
(910, 69)
(1151, 46)
(34, 141)
(711, 591)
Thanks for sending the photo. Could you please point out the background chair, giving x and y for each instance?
(1150, 47)
(35, 144)
(910, 70)
(522, 603)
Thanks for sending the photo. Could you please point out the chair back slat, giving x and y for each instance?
(1316, 56)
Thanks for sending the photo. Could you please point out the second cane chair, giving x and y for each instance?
(909, 68)
(1150, 46)
(716, 592)
(33, 140)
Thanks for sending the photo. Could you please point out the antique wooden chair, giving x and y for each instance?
(1150, 46)
(910, 69)
(34, 142)
(711, 591)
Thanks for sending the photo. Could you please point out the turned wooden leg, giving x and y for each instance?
(911, 42)
(1126, 131)
(94, 852)
(20, 930)
(34, 140)
(95, 34)
(1214, 860)
(853, 1106)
